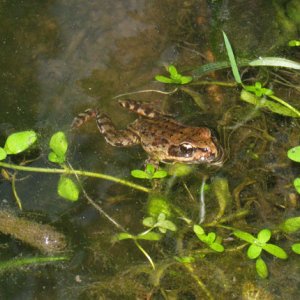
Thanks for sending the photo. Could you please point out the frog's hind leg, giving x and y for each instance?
(113, 136)
(143, 109)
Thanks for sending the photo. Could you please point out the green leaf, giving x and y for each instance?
(159, 174)
(56, 159)
(167, 224)
(149, 236)
(2, 154)
(245, 236)
(163, 79)
(275, 250)
(198, 230)
(186, 79)
(261, 268)
(124, 236)
(59, 144)
(140, 174)
(296, 248)
(67, 189)
(254, 251)
(271, 105)
(149, 222)
(232, 60)
(296, 183)
(19, 141)
(290, 225)
(185, 259)
(294, 154)
(294, 43)
(216, 247)
(150, 169)
(264, 235)
(211, 237)
(275, 62)
(173, 71)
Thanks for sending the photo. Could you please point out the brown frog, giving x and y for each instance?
(163, 138)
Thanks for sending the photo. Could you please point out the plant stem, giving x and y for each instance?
(68, 171)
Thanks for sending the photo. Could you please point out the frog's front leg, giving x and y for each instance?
(113, 136)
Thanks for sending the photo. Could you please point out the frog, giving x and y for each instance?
(163, 138)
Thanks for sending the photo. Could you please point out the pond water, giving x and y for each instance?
(59, 58)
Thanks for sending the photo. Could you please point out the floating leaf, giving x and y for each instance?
(296, 248)
(163, 79)
(67, 189)
(275, 250)
(296, 183)
(173, 71)
(261, 268)
(264, 235)
(290, 225)
(149, 236)
(56, 159)
(245, 236)
(180, 170)
(124, 236)
(59, 144)
(294, 43)
(2, 154)
(210, 238)
(167, 224)
(217, 247)
(160, 174)
(198, 230)
(186, 79)
(150, 169)
(149, 222)
(140, 174)
(19, 141)
(254, 251)
(294, 154)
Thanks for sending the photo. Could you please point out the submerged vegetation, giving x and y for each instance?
(215, 234)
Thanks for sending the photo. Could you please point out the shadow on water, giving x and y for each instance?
(59, 58)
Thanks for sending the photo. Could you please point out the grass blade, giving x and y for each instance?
(232, 60)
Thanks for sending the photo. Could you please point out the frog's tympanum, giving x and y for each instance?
(163, 138)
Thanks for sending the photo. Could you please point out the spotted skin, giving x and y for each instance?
(163, 138)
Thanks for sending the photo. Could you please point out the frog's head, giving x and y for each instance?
(196, 146)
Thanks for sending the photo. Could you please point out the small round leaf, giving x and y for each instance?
(59, 144)
(149, 222)
(245, 236)
(198, 230)
(216, 247)
(294, 154)
(56, 159)
(159, 174)
(19, 141)
(296, 248)
(67, 189)
(163, 79)
(290, 225)
(261, 268)
(296, 183)
(140, 174)
(264, 235)
(253, 251)
(2, 154)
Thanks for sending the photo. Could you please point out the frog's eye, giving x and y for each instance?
(186, 149)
